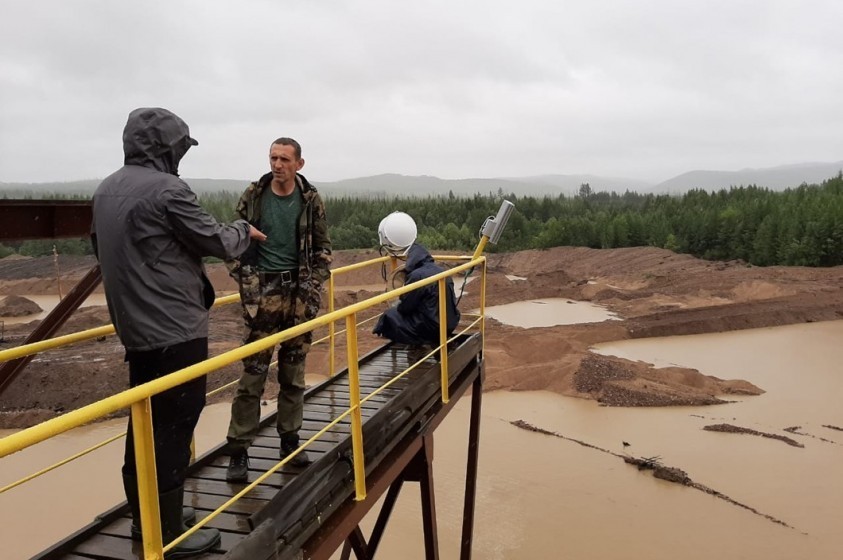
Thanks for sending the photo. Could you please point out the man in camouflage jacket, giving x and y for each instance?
(280, 283)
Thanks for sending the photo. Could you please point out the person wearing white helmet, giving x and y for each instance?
(415, 320)
(396, 233)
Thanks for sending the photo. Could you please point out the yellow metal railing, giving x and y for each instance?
(107, 330)
(331, 289)
(139, 398)
(81, 336)
(121, 435)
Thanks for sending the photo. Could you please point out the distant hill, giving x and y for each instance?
(775, 178)
(392, 184)
(426, 185)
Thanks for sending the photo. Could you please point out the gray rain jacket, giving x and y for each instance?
(150, 235)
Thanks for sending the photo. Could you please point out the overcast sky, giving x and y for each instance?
(456, 89)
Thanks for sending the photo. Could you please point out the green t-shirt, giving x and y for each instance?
(279, 221)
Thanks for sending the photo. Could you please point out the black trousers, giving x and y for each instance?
(174, 412)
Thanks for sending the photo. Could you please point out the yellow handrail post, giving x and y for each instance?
(481, 245)
(107, 330)
(443, 339)
(150, 514)
(354, 402)
(331, 329)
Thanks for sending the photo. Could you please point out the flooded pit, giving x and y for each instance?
(544, 497)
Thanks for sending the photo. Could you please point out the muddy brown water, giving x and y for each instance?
(548, 312)
(544, 497)
(47, 302)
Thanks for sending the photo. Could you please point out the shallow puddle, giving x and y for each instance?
(548, 313)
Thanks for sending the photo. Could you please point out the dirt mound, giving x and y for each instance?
(619, 382)
(17, 306)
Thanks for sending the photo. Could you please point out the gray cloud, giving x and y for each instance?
(644, 89)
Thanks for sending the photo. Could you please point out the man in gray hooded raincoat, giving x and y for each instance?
(150, 235)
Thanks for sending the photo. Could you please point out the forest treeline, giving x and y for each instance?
(802, 226)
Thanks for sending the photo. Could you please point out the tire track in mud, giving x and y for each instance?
(670, 474)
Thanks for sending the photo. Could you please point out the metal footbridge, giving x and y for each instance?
(368, 428)
(285, 512)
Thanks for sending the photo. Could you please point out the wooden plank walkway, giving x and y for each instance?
(293, 502)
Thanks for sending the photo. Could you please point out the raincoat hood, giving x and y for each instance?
(156, 138)
(417, 256)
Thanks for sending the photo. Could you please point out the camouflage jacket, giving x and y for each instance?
(314, 248)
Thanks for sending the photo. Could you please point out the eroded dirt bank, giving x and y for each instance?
(654, 291)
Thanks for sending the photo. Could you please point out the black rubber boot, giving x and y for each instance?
(238, 467)
(130, 486)
(172, 526)
(289, 443)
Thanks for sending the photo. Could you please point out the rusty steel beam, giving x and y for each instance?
(44, 219)
(47, 219)
(51, 323)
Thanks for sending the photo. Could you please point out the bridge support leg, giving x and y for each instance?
(383, 516)
(424, 474)
(420, 469)
(356, 542)
(471, 467)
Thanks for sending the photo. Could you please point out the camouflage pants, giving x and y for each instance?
(274, 313)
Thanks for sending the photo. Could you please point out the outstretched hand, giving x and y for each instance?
(255, 233)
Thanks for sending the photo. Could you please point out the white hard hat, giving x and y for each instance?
(397, 232)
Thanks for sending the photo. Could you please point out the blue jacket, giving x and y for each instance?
(416, 318)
